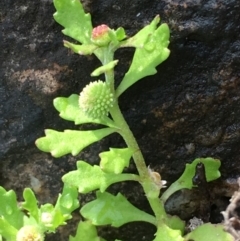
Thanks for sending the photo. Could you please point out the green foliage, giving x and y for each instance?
(69, 110)
(71, 16)
(69, 141)
(103, 69)
(86, 231)
(103, 211)
(115, 160)
(10, 213)
(165, 233)
(47, 218)
(151, 49)
(209, 231)
(185, 181)
(88, 178)
(98, 104)
(85, 49)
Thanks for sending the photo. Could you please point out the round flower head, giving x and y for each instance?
(29, 233)
(96, 99)
(100, 35)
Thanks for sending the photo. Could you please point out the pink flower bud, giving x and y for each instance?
(100, 35)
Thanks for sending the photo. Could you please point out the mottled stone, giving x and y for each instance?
(190, 109)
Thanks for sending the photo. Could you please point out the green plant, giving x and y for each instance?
(27, 221)
(98, 104)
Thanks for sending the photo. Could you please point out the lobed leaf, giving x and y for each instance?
(88, 178)
(84, 49)
(113, 210)
(7, 230)
(151, 49)
(9, 210)
(67, 201)
(164, 233)
(185, 181)
(120, 34)
(209, 231)
(174, 222)
(30, 204)
(115, 160)
(70, 141)
(70, 14)
(105, 68)
(87, 232)
(54, 216)
(69, 110)
(48, 216)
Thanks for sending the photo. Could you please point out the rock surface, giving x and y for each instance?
(190, 109)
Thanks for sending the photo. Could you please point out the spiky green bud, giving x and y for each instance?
(96, 99)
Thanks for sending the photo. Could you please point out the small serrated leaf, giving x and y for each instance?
(209, 231)
(69, 110)
(115, 160)
(88, 178)
(9, 210)
(84, 49)
(71, 16)
(70, 141)
(87, 232)
(185, 181)
(6, 230)
(67, 201)
(174, 222)
(120, 33)
(151, 50)
(164, 233)
(30, 204)
(105, 68)
(112, 210)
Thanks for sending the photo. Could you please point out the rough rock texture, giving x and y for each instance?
(190, 109)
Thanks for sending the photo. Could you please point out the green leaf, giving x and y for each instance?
(67, 201)
(31, 203)
(105, 68)
(9, 210)
(99, 179)
(7, 230)
(70, 141)
(174, 222)
(84, 49)
(185, 181)
(115, 160)
(164, 233)
(120, 33)
(87, 232)
(71, 16)
(51, 217)
(209, 231)
(69, 110)
(113, 210)
(151, 49)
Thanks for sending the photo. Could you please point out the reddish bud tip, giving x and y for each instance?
(100, 35)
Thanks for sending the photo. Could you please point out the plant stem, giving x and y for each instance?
(146, 180)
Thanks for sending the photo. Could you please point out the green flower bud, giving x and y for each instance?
(96, 99)
(100, 35)
(30, 233)
(47, 219)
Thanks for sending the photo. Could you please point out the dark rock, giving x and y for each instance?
(190, 109)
